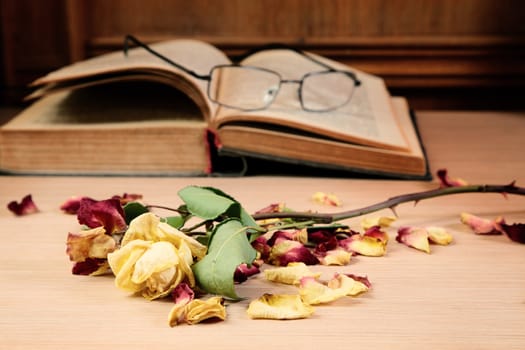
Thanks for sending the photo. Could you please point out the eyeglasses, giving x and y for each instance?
(318, 91)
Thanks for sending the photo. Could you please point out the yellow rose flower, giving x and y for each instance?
(152, 269)
(149, 228)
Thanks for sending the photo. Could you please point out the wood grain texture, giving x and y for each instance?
(470, 294)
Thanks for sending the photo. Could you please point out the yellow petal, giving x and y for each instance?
(149, 228)
(93, 243)
(382, 221)
(347, 285)
(290, 274)
(279, 307)
(364, 245)
(122, 263)
(326, 199)
(314, 292)
(415, 237)
(337, 257)
(439, 235)
(199, 310)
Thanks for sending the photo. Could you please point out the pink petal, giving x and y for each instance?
(128, 197)
(243, 272)
(362, 279)
(482, 226)
(182, 294)
(71, 205)
(447, 181)
(291, 251)
(25, 207)
(376, 232)
(414, 237)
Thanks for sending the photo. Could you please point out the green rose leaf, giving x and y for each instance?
(132, 210)
(205, 203)
(208, 203)
(228, 248)
(175, 221)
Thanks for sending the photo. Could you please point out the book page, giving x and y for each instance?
(367, 119)
(196, 55)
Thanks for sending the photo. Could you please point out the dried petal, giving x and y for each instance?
(182, 294)
(326, 199)
(362, 279)
(364, 245)
(272, 208)
(447, 181)
(381, 221)
(127, 198)
(91, 267)
(243, 272)
(152, 269)
(290, 274)
(482, 226)
(25, 207)
(314, 292)
(149, 228)
(291, 251)
(107, 213)
(92, 243)
(515, 232)
(415, 237)
(439, 235)
(348, 285)
(279, 307)
(197, 311)
(339, 257)
(376, 232)
(71, 205)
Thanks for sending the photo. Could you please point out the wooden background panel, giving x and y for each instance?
(440, 54)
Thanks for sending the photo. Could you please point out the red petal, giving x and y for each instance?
(515, 232)
(26, 206)
(107, 213)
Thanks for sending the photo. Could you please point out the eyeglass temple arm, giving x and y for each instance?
(130, 38)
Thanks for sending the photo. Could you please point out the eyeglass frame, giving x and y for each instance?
(207, 77)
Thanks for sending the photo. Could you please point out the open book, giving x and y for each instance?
(87, 121)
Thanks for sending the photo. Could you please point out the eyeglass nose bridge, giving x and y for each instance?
(295, 81)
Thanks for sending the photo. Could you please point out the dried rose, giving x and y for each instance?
(152, 269)
(148, 227)
(25, 207)
(279, 307)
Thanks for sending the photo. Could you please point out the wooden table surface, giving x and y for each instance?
(468, 295)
